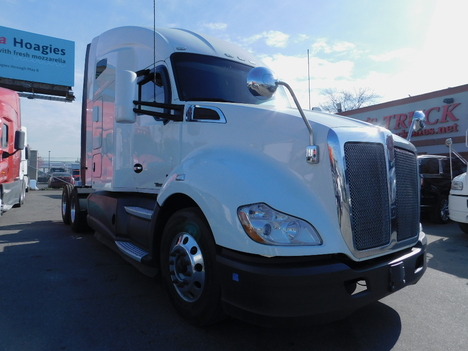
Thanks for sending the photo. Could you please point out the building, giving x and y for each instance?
(446, 117)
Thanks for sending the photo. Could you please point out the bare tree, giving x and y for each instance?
(345, 100)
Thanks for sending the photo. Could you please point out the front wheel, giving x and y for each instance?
(441, 213)
(22, 196)
(188, 267)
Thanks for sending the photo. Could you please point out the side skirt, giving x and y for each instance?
(125, 222)
(146, 270)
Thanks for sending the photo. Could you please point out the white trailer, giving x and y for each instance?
(23, 172)
(195, 164)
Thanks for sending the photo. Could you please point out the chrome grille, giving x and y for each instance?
(374, 218)
(366, 176)
(376, 185)
(407, 204)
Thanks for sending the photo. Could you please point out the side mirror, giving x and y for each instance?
(125, 94)
(262, 83)
(419, 119)
(418, 123)
(19, 140)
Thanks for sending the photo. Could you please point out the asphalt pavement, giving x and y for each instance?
(63, 291)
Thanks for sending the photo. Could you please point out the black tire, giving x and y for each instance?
(66, 194)
(441, 213)
(188, 269)
(77, 214)
(463, 227)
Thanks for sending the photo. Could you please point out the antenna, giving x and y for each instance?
(154, 49)
(308, 73)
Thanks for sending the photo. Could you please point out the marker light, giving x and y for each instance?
(268, 226)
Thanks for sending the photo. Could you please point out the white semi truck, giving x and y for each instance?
(195, 164)
(458, 202)
(458, 198)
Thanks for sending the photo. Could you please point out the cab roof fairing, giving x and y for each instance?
(168, 41)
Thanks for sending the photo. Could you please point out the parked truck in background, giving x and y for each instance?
(12, 144)
(458, 198)
(196, 164)
(24, 160)
(74, 169)
(436, 173)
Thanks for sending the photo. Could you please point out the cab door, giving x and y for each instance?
(98, 108)
(156, 140)
(102, 124)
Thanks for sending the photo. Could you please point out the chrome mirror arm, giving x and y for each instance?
(262, 84)
(306, 121)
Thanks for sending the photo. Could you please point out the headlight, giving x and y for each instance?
(268, 226)
(456, 185)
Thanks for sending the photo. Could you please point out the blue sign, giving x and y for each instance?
(36, 58)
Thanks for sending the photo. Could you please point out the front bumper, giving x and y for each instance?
(273, 291)
(458, 208)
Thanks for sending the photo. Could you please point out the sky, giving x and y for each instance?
(395, 48)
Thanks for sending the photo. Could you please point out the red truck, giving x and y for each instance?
(12, 140)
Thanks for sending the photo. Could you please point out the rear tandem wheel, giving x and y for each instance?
(77, 213)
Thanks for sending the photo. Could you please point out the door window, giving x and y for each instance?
(154, 86)
(5, 136)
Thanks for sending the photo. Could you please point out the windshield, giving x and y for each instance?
(458, 167)
(208, 78)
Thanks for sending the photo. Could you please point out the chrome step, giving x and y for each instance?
(131, 250)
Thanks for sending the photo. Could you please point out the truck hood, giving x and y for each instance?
(320, 120)
(326, 119)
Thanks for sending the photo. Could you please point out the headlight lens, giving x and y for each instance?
(456, 185)
(268, 226)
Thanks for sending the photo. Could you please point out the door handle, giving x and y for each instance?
(138, 168)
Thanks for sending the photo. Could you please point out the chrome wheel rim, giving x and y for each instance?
(64, 205)
(444, 211)
(72, 211)
(187, 267)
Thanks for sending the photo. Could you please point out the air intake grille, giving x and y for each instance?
(366, 175)
(407, 185)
